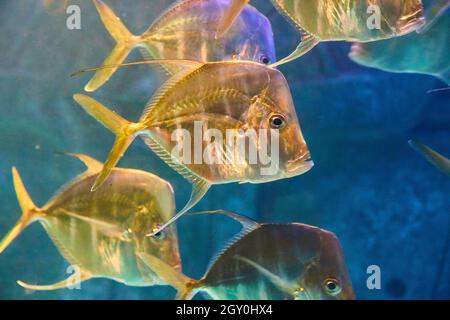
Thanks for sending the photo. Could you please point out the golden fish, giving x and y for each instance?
(335, 20)
(100, 233)
(269, 262)
(240, 97)
(188, 30)
(427, 52)
(436, 159)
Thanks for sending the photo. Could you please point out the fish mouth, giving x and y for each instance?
(300, 165)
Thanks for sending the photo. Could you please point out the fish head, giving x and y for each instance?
(326, 277)
(152, 215)
(272, 114)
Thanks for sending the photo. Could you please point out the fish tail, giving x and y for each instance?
(124, 130)
(30, 212)
(126, 42)
(185, 286)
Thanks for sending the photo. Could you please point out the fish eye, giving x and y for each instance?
(277, 122)
(264, 59)
(160, 235)
(332, 286)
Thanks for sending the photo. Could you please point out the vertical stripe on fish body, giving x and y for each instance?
(348, 19)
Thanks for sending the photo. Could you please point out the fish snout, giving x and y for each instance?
(300, 165)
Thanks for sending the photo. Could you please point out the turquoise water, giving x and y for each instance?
(386, 204)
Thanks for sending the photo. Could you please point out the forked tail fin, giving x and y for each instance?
(29, 211)
(126, 42)
(185, 286)
(124, 130)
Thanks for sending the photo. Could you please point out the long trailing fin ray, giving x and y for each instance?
(273, 278)
(125, 43)
(231, 14)
(93, 165)
(199, 189)
(307, 44)
(247, 223)
(182, 63)
(71, 281)
(124, 130)
(436, 159)
(29, 211)
(172, 277)
(120, 146)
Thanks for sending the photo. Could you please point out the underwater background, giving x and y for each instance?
(387, 205)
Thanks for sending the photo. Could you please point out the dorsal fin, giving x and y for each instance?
(247, 223)
(93, 165)
(248, 226)
(72, 281)
(436, 159)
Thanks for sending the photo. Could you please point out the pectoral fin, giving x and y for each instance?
(71, 282)
(308, 43)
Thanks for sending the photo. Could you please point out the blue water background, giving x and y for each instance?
(386, 204)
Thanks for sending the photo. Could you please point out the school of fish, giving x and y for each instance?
(222, 76)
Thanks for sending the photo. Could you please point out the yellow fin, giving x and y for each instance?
(71, 281)
(125, 43)
(308, 43)
(108, 229)
(93, 165)
(124, 130)
(183, 284)
(29, 211)
(434, 13)
(199, 189)
(232, 13)
(436, 159)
